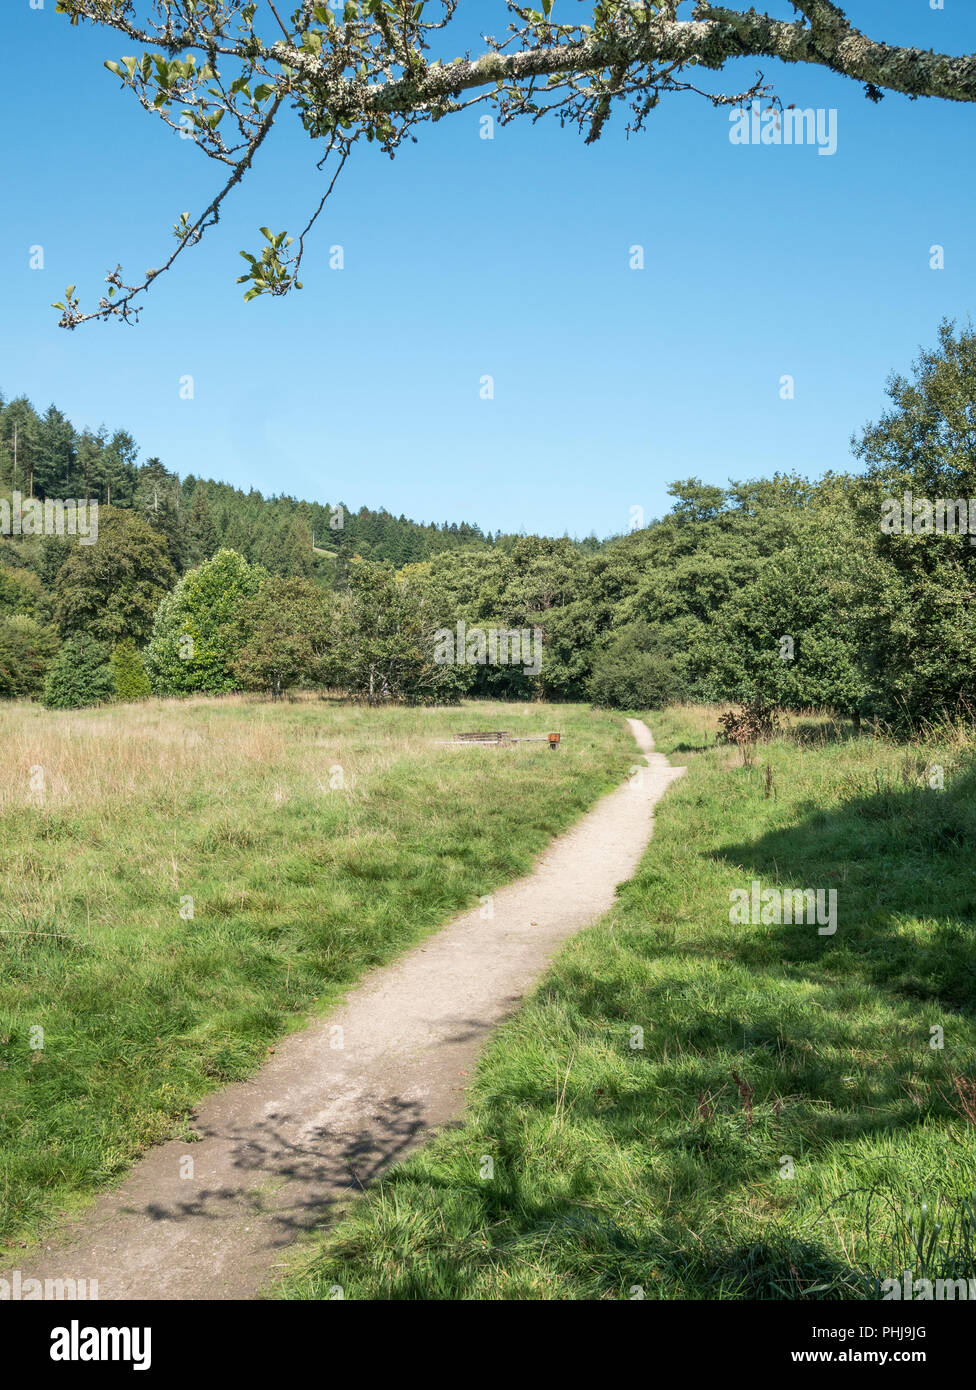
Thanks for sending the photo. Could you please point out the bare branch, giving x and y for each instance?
(187, 233)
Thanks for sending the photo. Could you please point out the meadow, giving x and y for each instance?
(688, 1107)
(183, 882)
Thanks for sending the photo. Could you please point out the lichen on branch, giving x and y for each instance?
(220, 73)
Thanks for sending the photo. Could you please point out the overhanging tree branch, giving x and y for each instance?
(367, 75)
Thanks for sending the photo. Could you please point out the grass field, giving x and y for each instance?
(787, 1118)
(315, 839)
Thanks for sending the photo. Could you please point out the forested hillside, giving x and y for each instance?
(851, 591)
(44, 455)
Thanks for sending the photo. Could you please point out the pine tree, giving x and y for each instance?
(157, 500)
(54, 465)
(203, 538)
(295, 560)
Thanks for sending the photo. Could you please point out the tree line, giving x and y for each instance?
(44, 455)
(780, 592)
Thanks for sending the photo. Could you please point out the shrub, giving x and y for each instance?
(26, 650)
(81, 675)
(128, 672)
(633, 671)
(755, 722)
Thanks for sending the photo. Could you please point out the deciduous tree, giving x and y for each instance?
(194, 642)
(287, 637)
(112, 589)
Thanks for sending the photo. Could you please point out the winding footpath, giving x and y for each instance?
(322, 1120)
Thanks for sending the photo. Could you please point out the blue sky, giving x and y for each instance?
(510, 257)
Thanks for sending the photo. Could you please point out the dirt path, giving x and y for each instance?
(320, 1120)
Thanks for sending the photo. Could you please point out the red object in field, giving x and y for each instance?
(553, 742)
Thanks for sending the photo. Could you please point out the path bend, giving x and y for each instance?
(318, 1121)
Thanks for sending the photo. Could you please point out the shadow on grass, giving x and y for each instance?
(592, 1257)
(735, 1077)
(824, 731)
(899, 859)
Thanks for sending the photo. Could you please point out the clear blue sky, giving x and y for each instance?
(509, 257)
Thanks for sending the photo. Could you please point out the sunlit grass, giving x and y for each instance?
(315, 839)
(782, 1076)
